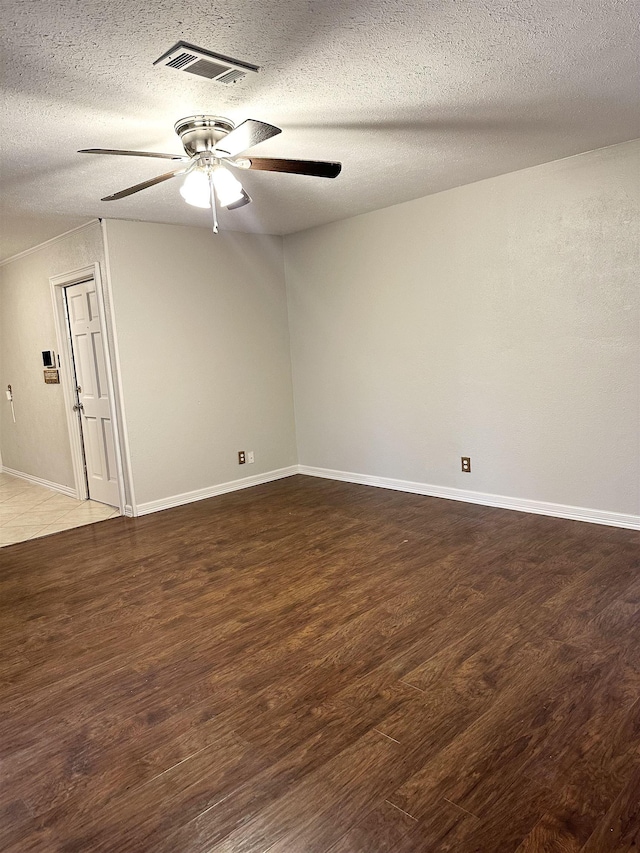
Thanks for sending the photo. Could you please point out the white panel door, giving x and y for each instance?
(93, 395)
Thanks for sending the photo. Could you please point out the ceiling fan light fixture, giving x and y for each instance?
(210, 144)
(228, 188)
(195, 189)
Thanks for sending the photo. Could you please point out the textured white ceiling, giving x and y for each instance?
(413, 97)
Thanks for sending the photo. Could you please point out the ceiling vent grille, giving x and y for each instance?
(180, 60)
(231, 76)
(204, 63)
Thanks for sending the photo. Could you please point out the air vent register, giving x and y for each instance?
(203, 63)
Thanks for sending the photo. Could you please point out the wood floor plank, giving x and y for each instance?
(445, 828)
(311, 816)
(589, 771)
(472, 765)
(505, 823)
(384, 828)
(619, 829)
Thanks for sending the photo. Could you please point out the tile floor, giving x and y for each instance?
(28, 511)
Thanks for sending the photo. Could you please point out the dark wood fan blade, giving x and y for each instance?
(246, 135)
(317, 168)
(132, 153)
(246, 199)
(144, 185)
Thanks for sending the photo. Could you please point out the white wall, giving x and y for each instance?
(38, 443)
(204, 353)
(498, 320)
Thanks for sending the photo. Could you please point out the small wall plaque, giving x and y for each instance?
(51, 377)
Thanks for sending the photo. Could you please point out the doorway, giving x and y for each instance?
(89, 388)
(92, 406)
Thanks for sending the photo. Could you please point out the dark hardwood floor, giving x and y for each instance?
(318, 667)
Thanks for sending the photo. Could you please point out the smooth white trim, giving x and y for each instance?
(56, 487)
(66, 374)
(212, 491)
(576, 513)
(49, 242)
(117, 378)
(113, 407)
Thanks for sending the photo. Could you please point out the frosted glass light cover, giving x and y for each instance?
(228, 187)
(195, 189)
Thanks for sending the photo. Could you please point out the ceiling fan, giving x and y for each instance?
(211, 144)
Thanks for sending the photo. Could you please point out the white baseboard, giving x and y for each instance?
(576, 513)
(128, 511)
(56, 487)
(212, 491)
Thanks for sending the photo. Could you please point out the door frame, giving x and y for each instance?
(65, 353)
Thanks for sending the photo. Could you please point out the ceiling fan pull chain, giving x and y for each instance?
(214, 212)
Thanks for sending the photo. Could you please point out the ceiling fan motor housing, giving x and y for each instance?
(202, 133)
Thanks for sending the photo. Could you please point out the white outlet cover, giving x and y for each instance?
(250, 457)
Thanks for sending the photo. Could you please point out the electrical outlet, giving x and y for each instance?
(466, 464)
(250, 457)
(242, 458)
